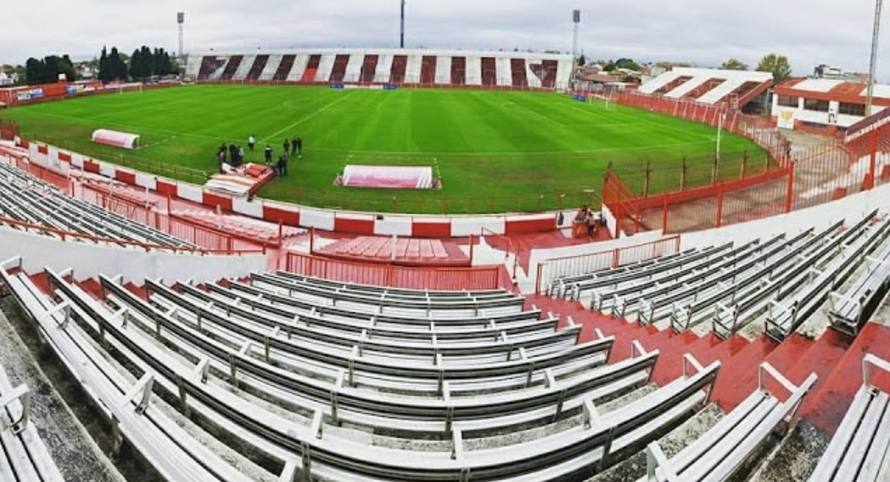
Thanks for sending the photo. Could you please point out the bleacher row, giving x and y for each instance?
(381, 248)
(241, 226)
(780, 282)
(23, 455)
(29, 200)
(310, 378)
(493, 69)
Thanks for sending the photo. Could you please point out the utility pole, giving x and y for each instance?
(402, 37)
(869, 98)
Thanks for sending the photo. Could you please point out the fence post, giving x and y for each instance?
(872, 165)
(683, 175)
(744, 164)
(648, 178)
(789, 190)
(719, 204)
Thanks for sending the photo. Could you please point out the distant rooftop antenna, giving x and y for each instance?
(576, 21)
(180, 21)
(869, 98)
(402, 37)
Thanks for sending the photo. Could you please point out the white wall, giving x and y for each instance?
(90, 260)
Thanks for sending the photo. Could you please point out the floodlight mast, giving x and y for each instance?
(402, 36)
(869, 98)
(180, 20)
(576, 21)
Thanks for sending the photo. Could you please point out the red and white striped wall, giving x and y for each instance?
(367, 224)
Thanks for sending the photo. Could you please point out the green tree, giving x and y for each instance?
(734, 64)
(777, 64)
(627, 64)
(582, 61)
(33, 71)
(117, 66)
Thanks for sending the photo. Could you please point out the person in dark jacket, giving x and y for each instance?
(282, 165)
(296, 146)
(286, 147)
(268, 152)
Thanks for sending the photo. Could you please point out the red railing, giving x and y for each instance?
(553, 268)
(505, 242)
(70, 235)
(480, 278)
(171, 224)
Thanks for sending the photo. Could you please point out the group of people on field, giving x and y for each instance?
(234, 155)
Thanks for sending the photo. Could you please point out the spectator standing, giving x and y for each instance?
(286, 146)
(268, 151)
(251, 142)
(221, 157)
(240, 155)
(233, 154)
(282, 165)
(296, 146)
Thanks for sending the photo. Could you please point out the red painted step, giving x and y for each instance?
(738, 375)
(826, 407)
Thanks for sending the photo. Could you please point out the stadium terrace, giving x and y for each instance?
(365, 264)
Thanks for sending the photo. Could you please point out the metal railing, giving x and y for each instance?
(479, 278)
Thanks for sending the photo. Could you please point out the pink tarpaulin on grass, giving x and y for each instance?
(388, 177)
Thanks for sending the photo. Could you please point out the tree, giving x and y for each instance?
(117, 67)
(627, 64)
(47, 71)
(104, 73)
(777, 64)
(33, 71)
(582, 61)
(734, 64)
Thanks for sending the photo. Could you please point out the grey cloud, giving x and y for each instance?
(706, 32)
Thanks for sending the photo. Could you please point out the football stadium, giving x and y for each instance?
(220, 262)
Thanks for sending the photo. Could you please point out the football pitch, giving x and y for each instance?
(496, 151)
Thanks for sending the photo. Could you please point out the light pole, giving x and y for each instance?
(869, 98)
(402, 35)
(180, 20)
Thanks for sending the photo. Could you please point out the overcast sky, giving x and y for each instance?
(706, 32)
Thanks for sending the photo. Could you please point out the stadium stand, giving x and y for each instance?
(310, 73)
(23, 455)
(408, 251)
(31, 201)
(270, 67)
(283, 70)
(257, 67)
(459, 70)
(428, 70)
(722, 452)
(244, 67)
(709, 86)
(338, 68)
(369, 69)
(397, 67)
(518, 71)
(489, 72)
(231, 67)
(466, 396)
(730, 287)
(858, 450)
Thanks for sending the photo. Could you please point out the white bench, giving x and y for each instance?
(723, 450)
(859, 448)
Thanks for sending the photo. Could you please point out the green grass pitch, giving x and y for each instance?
(496, 151)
